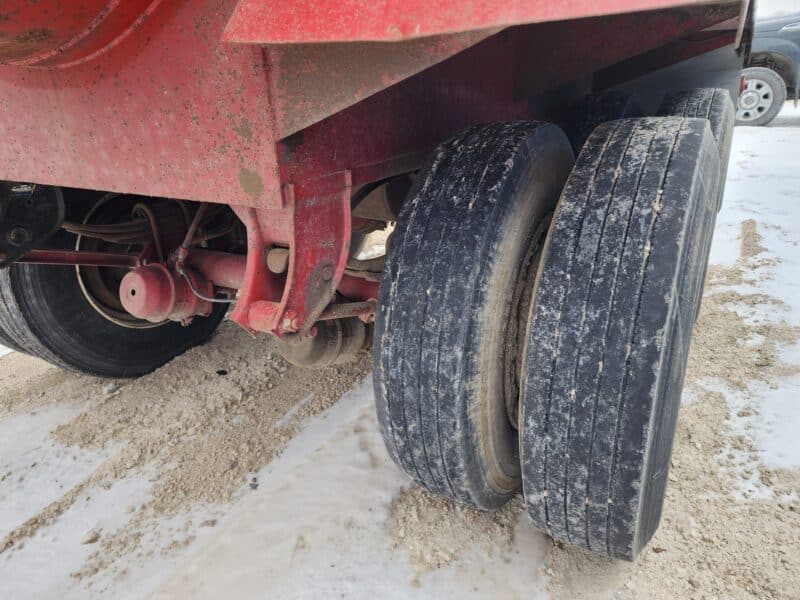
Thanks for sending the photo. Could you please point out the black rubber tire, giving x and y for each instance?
(461, 252)
(714, 105)
(778, 86)
(595, 109)
(8, 342)
(609, 331)
(44, 311)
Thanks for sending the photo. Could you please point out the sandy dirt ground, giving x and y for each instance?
(230, 473)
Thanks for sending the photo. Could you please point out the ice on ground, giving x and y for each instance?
(50, 561)
(34, 469)
(319, 529)
(778, 424)
(789, 115)
(764, 185)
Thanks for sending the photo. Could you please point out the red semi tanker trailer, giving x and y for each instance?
(548, 174)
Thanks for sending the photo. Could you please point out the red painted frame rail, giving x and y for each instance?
(235, 102)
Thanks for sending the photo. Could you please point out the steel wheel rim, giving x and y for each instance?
(755, 100)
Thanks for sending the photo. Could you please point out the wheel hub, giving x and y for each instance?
(155, 294)
(749, 99)
(754, 100)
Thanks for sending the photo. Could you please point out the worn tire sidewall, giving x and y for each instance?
(535, 184)
(62, 320)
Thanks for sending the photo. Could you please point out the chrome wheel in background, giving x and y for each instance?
(756, 99)
(761, 98)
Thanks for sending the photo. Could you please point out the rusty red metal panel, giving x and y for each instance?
(666, 55)
(164, 108)
(300, 21)
(314, 224)
(311, 81)
(515, 65)
(143, 97)
(53, 32)
(167, 111)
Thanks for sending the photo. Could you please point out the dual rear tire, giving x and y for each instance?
(452, 296)
(579, 340)
(609, 332)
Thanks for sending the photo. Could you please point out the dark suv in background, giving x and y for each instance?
(772, 75)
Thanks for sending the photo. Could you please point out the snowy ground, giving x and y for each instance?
(764, 185)
(104, 488)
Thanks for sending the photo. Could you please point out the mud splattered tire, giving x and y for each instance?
(716, 107)
(44, 312)
(595, 109)
(609, 331)
(451, 297)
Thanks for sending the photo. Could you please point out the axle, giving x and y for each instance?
(154, 292)
(81, 258)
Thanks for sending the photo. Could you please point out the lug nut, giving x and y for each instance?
(326, 273)
(18, 236)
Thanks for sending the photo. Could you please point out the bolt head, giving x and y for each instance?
(17, 236)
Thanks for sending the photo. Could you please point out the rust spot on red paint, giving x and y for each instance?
(23, 43)
(33, 36)
(251, 183)
(243, 129)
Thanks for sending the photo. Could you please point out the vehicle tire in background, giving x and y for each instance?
(762, 98)
(714, 105)
(44, 312)
(595, 109)
(451, 307)
(609, 331)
